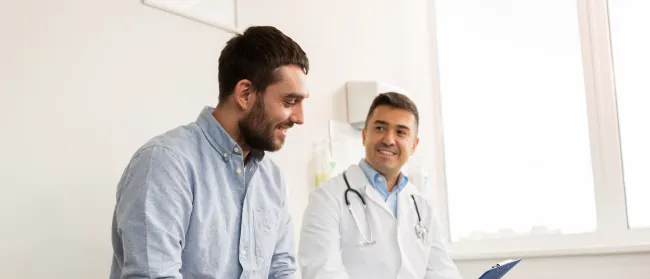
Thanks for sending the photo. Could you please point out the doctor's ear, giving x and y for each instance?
(363, 136)
(243, 94)
(415, 144)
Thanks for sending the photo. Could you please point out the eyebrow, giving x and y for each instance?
(382, 122)
(296, 95)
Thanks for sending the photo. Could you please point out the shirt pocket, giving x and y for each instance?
(266, 233)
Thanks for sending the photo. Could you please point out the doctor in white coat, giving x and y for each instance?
(398, 235)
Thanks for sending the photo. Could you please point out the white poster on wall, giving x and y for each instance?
(346, 145)
(218, 13)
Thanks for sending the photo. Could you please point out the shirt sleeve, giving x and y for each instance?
(319, 253)
(440, 265)
(152, 214)
(283, 262)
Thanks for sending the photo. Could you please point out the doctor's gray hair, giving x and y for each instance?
(394, 100)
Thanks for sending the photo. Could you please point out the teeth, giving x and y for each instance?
(386, 152)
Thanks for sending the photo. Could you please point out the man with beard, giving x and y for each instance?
(202, 200)
(370, 221)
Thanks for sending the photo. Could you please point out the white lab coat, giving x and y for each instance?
(330, 242)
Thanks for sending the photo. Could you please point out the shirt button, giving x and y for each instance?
(243, 252)
(236, 149)
(380, 179)
(225, 155)
(238, 171)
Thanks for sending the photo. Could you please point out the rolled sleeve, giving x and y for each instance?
(152, 214)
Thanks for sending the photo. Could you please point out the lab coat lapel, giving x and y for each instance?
(359, 182)
(405, 206)
(376, 198)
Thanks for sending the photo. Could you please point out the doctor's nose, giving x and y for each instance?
(388, 139)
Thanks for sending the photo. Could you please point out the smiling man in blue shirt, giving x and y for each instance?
(202, 200)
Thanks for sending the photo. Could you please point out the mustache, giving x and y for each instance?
(288, 124)
(391, 148)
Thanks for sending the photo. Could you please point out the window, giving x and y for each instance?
(630, 44)
(543, 108)
(515, 121)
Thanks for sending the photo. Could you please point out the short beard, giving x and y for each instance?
(256, 130)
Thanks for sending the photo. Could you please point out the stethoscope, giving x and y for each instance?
(420, 230)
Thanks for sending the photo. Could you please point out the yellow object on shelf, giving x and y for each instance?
(324, 163)
(322, 177)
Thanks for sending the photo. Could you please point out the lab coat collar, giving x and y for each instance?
(357, 178)
(358, 181)
(378, 181)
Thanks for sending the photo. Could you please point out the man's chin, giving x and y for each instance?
(277, 145)
(272, 146)
(388, 168)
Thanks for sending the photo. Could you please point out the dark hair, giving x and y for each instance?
(256, 55)
(394, 100)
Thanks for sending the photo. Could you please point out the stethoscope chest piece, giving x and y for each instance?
(420, 230)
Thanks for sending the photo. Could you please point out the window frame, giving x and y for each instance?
(612, 234)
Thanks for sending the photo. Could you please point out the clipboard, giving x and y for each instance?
(498, 271)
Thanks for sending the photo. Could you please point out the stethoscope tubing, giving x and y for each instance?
(363, 200)
(370, 240)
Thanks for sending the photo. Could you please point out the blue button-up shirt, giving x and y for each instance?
(187, 207)
(378, 182)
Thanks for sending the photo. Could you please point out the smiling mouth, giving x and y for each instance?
(283, 129)
(386, 152)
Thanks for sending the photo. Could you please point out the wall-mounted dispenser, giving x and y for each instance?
(360, 95)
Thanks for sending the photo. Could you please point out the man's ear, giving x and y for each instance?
(243, 94)
(363, 136)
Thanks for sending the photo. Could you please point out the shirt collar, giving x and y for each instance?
(378, 181)
(222, 142)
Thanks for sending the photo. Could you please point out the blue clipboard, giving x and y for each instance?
(499, 270)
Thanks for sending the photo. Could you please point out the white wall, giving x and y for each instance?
(84, 83)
